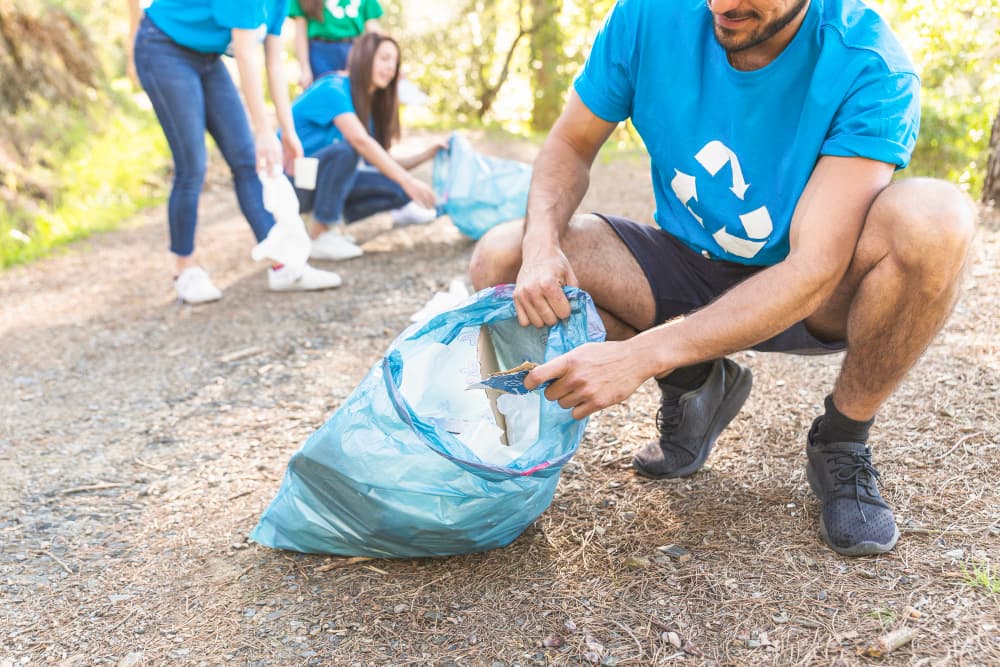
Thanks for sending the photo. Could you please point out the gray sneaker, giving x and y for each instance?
(854, 519)
(690, 421)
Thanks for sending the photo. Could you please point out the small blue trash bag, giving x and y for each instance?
(380, 479)
(478, 191)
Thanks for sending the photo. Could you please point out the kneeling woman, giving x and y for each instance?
(344, 117)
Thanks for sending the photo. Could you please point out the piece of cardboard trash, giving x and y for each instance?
(509, 381)
(488, 365)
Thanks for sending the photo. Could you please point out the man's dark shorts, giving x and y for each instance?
(683, 280)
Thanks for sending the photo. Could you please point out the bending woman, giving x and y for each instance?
(178, 49)
(343, 117)
(325, 31)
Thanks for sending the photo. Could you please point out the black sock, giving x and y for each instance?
(835, 427)
(688, 377)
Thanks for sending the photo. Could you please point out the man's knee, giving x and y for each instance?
(929, 224)
(496, 258)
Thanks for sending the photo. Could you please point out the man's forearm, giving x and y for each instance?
(751, 312)
(559, 182)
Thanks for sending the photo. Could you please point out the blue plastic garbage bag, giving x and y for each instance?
(478, 191)
(380, 479)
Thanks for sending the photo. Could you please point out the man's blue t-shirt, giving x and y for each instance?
(206, 25)
(314, 110)
(731, 151)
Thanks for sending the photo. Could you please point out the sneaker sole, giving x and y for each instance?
(730, 407)
(860, 549)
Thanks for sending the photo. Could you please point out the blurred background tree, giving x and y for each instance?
(80, 149)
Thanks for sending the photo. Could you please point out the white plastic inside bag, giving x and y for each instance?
(442, 301)
(434, 380)
(288, 241)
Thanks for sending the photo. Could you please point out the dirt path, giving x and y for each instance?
(140, 440)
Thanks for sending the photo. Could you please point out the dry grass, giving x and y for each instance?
(136, 460)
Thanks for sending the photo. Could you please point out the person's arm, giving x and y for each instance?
(246, 50)
(302, 51)
(413, 161)
(134, 17)
(278, 85)
(372, 25)
(355, 134)
(560, 177)
(826, 226)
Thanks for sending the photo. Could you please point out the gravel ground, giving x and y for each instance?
(140, 440)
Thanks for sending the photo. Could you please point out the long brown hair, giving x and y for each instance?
(313, 8)
(380, 108)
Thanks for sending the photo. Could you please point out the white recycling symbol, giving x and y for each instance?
(756, 223)
(339, 12)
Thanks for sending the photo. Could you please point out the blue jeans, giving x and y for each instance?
(346, 190)
(326, 57)
(192, 92)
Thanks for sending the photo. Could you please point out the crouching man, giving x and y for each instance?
(773, 128)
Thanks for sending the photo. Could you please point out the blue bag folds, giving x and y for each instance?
(479, 191)
(384, 479)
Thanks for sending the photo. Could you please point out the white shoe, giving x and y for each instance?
(333, 245)
(412, 214)
(194, 286)
(287, 279)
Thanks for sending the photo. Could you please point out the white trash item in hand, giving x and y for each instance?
(288, 241)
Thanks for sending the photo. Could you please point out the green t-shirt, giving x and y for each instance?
(342, 19)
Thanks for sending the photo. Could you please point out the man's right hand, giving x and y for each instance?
(538, 294)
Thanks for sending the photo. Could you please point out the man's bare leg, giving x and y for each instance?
(901, 286)
(602, 263)
(899, 290)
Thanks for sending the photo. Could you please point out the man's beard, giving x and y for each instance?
(761, 35)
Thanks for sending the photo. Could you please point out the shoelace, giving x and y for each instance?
(856, 468)
(671, 417)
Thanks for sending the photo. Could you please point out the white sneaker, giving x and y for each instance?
(412, 214)
(333, 245)
(287, 279)
(194, 286)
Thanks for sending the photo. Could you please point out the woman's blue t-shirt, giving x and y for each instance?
(206, 25)
(732, 151)
(314, 110)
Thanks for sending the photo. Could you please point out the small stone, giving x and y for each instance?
(821, 596)
(678, 553)
(674, 639)
(569, 626)
(628, 516)
(553, 641)
(636, 563)
(131, 660)
(955, 554)
(400, 608)
(911, 612)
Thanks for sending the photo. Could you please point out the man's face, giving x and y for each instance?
(742, 24)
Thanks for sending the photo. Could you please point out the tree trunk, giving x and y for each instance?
(546, 47)
(991, 184)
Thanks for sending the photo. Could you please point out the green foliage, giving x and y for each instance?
(982, 576)
(884, 615)
(456, 52)
(100, 174)
(76, 154)
(954, 44)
